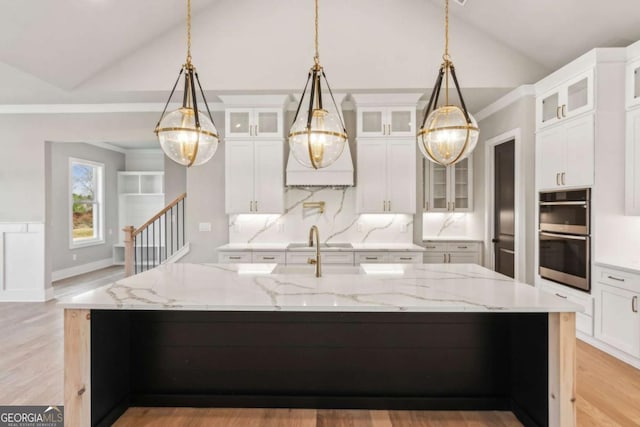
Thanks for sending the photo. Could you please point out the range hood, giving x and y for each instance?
(339, 174)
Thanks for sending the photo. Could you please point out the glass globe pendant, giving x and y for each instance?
(317, 136)
(448, 133)
(186, 135)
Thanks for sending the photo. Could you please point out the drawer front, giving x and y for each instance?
(584, 323)
(434, 257)
(371, 257)
(560, 291)
(619, 279)
(463, 247)
(435, 246)
(406, 257)
(234, 257)
(269, 257)
(327, 257)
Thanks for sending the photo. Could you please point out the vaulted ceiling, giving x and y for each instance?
(130, 50)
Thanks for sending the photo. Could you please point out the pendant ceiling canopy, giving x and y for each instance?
(448, 133)
(186, 135)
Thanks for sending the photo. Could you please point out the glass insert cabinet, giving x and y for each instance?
(448, 189)
(567, 100)
(254, 122)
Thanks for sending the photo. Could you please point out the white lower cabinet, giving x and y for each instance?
(453, 253)
(268, 257)
(303, 257)
(328, 257)
(617, 311)
(234, 257)
(584, 320)
(367, 257)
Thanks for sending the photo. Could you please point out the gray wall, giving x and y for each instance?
(175, 179)
(61, 254)
(520, 114)
(205, 203)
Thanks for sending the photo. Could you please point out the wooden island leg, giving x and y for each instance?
(562, 369)
(77, 367)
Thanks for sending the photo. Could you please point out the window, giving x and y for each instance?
(85, 182)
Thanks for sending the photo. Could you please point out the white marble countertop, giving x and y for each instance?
(450, 239)
(628, 266)
(388, 287)
(390, 247)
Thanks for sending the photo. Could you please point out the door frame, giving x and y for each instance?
(519, 259)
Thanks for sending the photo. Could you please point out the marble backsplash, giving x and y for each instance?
(338, 224)
(447, 224)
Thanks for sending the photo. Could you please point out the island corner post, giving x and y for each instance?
(78, 374)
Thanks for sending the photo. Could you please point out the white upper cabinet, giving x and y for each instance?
(253, 122)
(386, 176)
(254, 176)
(565, 155)
(569, 99)
(386, 121)
(632, 166)
(448, 189)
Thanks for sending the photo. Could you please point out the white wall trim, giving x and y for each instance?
(519, 202)
(505, 101)
(132, 107)
(81, 269)
(27, 295)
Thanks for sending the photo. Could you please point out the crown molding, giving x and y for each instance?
(505, 101)
(137, 107)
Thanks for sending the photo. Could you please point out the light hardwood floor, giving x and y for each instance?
(31, 372)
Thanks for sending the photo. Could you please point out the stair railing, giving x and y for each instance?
(157, 240)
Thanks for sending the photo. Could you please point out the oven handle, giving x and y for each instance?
(583, 203)
(564, 236)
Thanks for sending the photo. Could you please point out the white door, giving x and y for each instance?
(632, 166)
(580, 153)
(401, 121)
(401, 176)
(238, 122)
(268, 176)
(267, 122)
(616, 322)
(551, 157)
(372, 121)
(371, 187)
(239, 176)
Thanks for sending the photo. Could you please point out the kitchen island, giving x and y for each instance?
(433, 337)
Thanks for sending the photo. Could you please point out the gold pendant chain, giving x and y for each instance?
(446, 57)
(316, 58)
(188, 32)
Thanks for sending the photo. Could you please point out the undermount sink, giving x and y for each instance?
(323, 246)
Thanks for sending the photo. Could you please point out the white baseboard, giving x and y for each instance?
(81, 269)
(28, 295)
(181, 253)
(620, 355)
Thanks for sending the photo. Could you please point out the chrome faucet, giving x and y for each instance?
(314, 231)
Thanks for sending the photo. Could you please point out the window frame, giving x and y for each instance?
(98, 203)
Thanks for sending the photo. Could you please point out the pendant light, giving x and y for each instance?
(317, 136)
(187, 136)
(449, 133)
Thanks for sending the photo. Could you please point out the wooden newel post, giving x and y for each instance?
(128, 251)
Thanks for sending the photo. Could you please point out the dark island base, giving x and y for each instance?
(425, 361)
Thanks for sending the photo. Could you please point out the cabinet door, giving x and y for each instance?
(239, 176)
(372, 176)
(401, 176)
(616, 322)
(435, 257)
(632, 167)
(461, 182)
(437, 187)
(401, 121)
(372, 121)
(238, 122)
(551, 152)
(580, 135)
(267, 122)
(633, 83)
(578, 95)
(548, 108)
(268, 176)
(464, 258)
